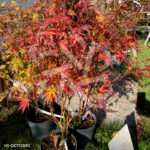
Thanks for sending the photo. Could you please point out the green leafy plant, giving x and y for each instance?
(102, 137)
(105, 134)
(74, 123)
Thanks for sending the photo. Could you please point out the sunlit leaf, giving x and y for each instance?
(50, 94)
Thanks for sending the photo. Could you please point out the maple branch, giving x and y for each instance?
(92, 80)
(57, 70)
(72, 58)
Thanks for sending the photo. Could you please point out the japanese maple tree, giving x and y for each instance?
(63, 47)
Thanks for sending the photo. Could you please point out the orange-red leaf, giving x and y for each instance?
(50, 94)
(24, 103)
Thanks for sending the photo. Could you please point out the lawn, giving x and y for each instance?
(145, 54)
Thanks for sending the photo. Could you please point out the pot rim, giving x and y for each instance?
(27, 118)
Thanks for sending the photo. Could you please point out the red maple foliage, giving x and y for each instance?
(71, 43)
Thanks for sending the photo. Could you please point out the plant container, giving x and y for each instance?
(38, 129)
(84, 136)
(70, 146)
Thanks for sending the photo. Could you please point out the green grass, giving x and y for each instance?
(145, 54)
(144, 140)
(141, 56)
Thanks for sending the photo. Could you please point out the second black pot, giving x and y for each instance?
(84, 136)
(39, 130)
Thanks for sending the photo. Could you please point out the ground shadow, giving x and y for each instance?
(143, 105)
(123, 86)
(131, 122)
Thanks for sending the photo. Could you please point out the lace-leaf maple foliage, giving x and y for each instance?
(52, 34)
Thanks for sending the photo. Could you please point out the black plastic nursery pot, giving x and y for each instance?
(59, 131)
(84, 136)
(39, 129)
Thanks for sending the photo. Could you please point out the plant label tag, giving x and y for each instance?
(122, 140)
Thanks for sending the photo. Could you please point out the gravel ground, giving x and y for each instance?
(120, 108)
